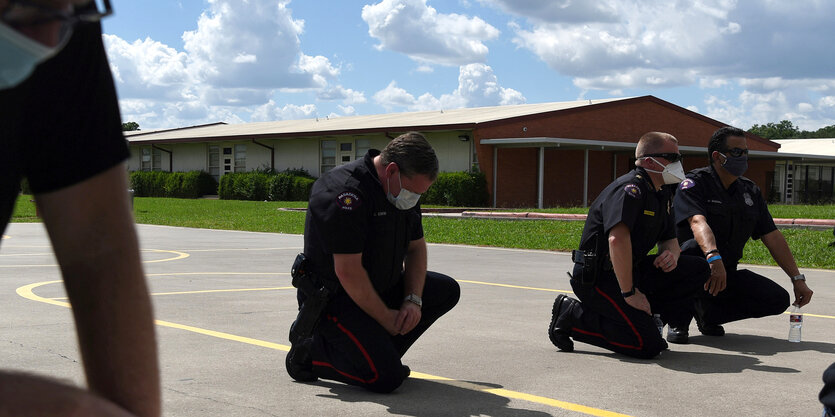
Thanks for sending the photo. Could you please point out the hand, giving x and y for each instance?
(408, 317)
(665, 261)
(802, 293)
(639, 301)
(718, 280)
(390, 322)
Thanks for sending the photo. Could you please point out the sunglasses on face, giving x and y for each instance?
(672, 157)
(736, 152)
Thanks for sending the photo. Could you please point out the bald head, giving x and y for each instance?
(654, 142)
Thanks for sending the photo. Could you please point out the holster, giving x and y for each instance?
(317, 292)
(590, 263)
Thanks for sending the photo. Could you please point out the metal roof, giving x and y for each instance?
(821, 147)
(453, 119)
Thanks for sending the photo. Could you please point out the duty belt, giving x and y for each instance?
(578, 257)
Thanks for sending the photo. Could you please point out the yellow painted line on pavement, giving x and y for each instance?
(27, 292)
(514, 286)
(207, 291)
(239, 249)
(180, 255)
(813, 315)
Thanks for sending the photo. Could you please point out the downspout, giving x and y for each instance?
(170, 157)
(272, 153)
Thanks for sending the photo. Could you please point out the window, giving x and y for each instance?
(240, 158)
(145, 159)
(151, 159)
(328, 155)
(214, 161)
(156, 159)
(363, 145)
(474, 167)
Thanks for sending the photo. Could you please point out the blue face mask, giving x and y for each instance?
(405, 200)
(735, 165)
(20, 56)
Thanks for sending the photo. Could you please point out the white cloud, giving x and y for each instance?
(478, 86)
(271, 111)
(347, 95)
(416, 29)
(236, 59)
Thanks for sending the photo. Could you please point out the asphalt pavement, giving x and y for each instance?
(224, 304)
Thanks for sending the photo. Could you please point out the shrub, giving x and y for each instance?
(462, 189)
(300, 190)
(193, 184)
(279, 187)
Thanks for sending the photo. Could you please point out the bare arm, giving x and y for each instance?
(92, 232)
(779, 248)
(354, 279)
(620, 251)
(703, 234)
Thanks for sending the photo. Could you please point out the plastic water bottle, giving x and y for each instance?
(795, 323)
(657, 318)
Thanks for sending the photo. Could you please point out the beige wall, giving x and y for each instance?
(453, 154)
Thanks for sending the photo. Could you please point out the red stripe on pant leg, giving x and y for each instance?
(362, 350)
(604, 338)
(625, 317)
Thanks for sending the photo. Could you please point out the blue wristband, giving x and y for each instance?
(714, 258)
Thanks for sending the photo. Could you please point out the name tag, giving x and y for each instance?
(649, 213)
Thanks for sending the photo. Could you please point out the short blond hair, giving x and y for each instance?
(652, 142)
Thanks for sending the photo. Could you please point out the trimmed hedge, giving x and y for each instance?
(192, 184)
(458, 189)
(262, 186)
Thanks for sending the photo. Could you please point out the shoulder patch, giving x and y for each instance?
(687, 183)
(348, 200)
(632, 190)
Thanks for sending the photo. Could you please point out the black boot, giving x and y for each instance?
(299, 363)
(559, 331)
(678, 335)
(707, 329)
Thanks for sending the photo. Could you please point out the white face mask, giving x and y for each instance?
(673, 172)
(405, 200)
(20, 56)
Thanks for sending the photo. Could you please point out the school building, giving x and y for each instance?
(533, 155)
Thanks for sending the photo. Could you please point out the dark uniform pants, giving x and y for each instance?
(604, 318)
(351, 347)
(747, 295)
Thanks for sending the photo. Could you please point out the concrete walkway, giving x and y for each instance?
(224, 304)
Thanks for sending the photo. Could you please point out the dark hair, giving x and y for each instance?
(412, 154)
(719, 140)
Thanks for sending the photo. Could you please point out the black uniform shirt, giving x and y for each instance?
(633, 201)
(61, 126)
(734, 215)
(349, 213)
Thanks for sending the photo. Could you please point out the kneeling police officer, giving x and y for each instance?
(619, 286)
(365, 295)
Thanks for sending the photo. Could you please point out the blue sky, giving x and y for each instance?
(188, 62)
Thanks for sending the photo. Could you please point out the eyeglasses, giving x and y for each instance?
(736, 152)
(672, 157)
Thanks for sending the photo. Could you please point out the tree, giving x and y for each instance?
(130, 126)
(783, 130)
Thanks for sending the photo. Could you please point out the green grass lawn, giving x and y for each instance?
(809, 246)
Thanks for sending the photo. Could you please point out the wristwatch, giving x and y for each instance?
(799, 277)
(628, 294)
(414, 298)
